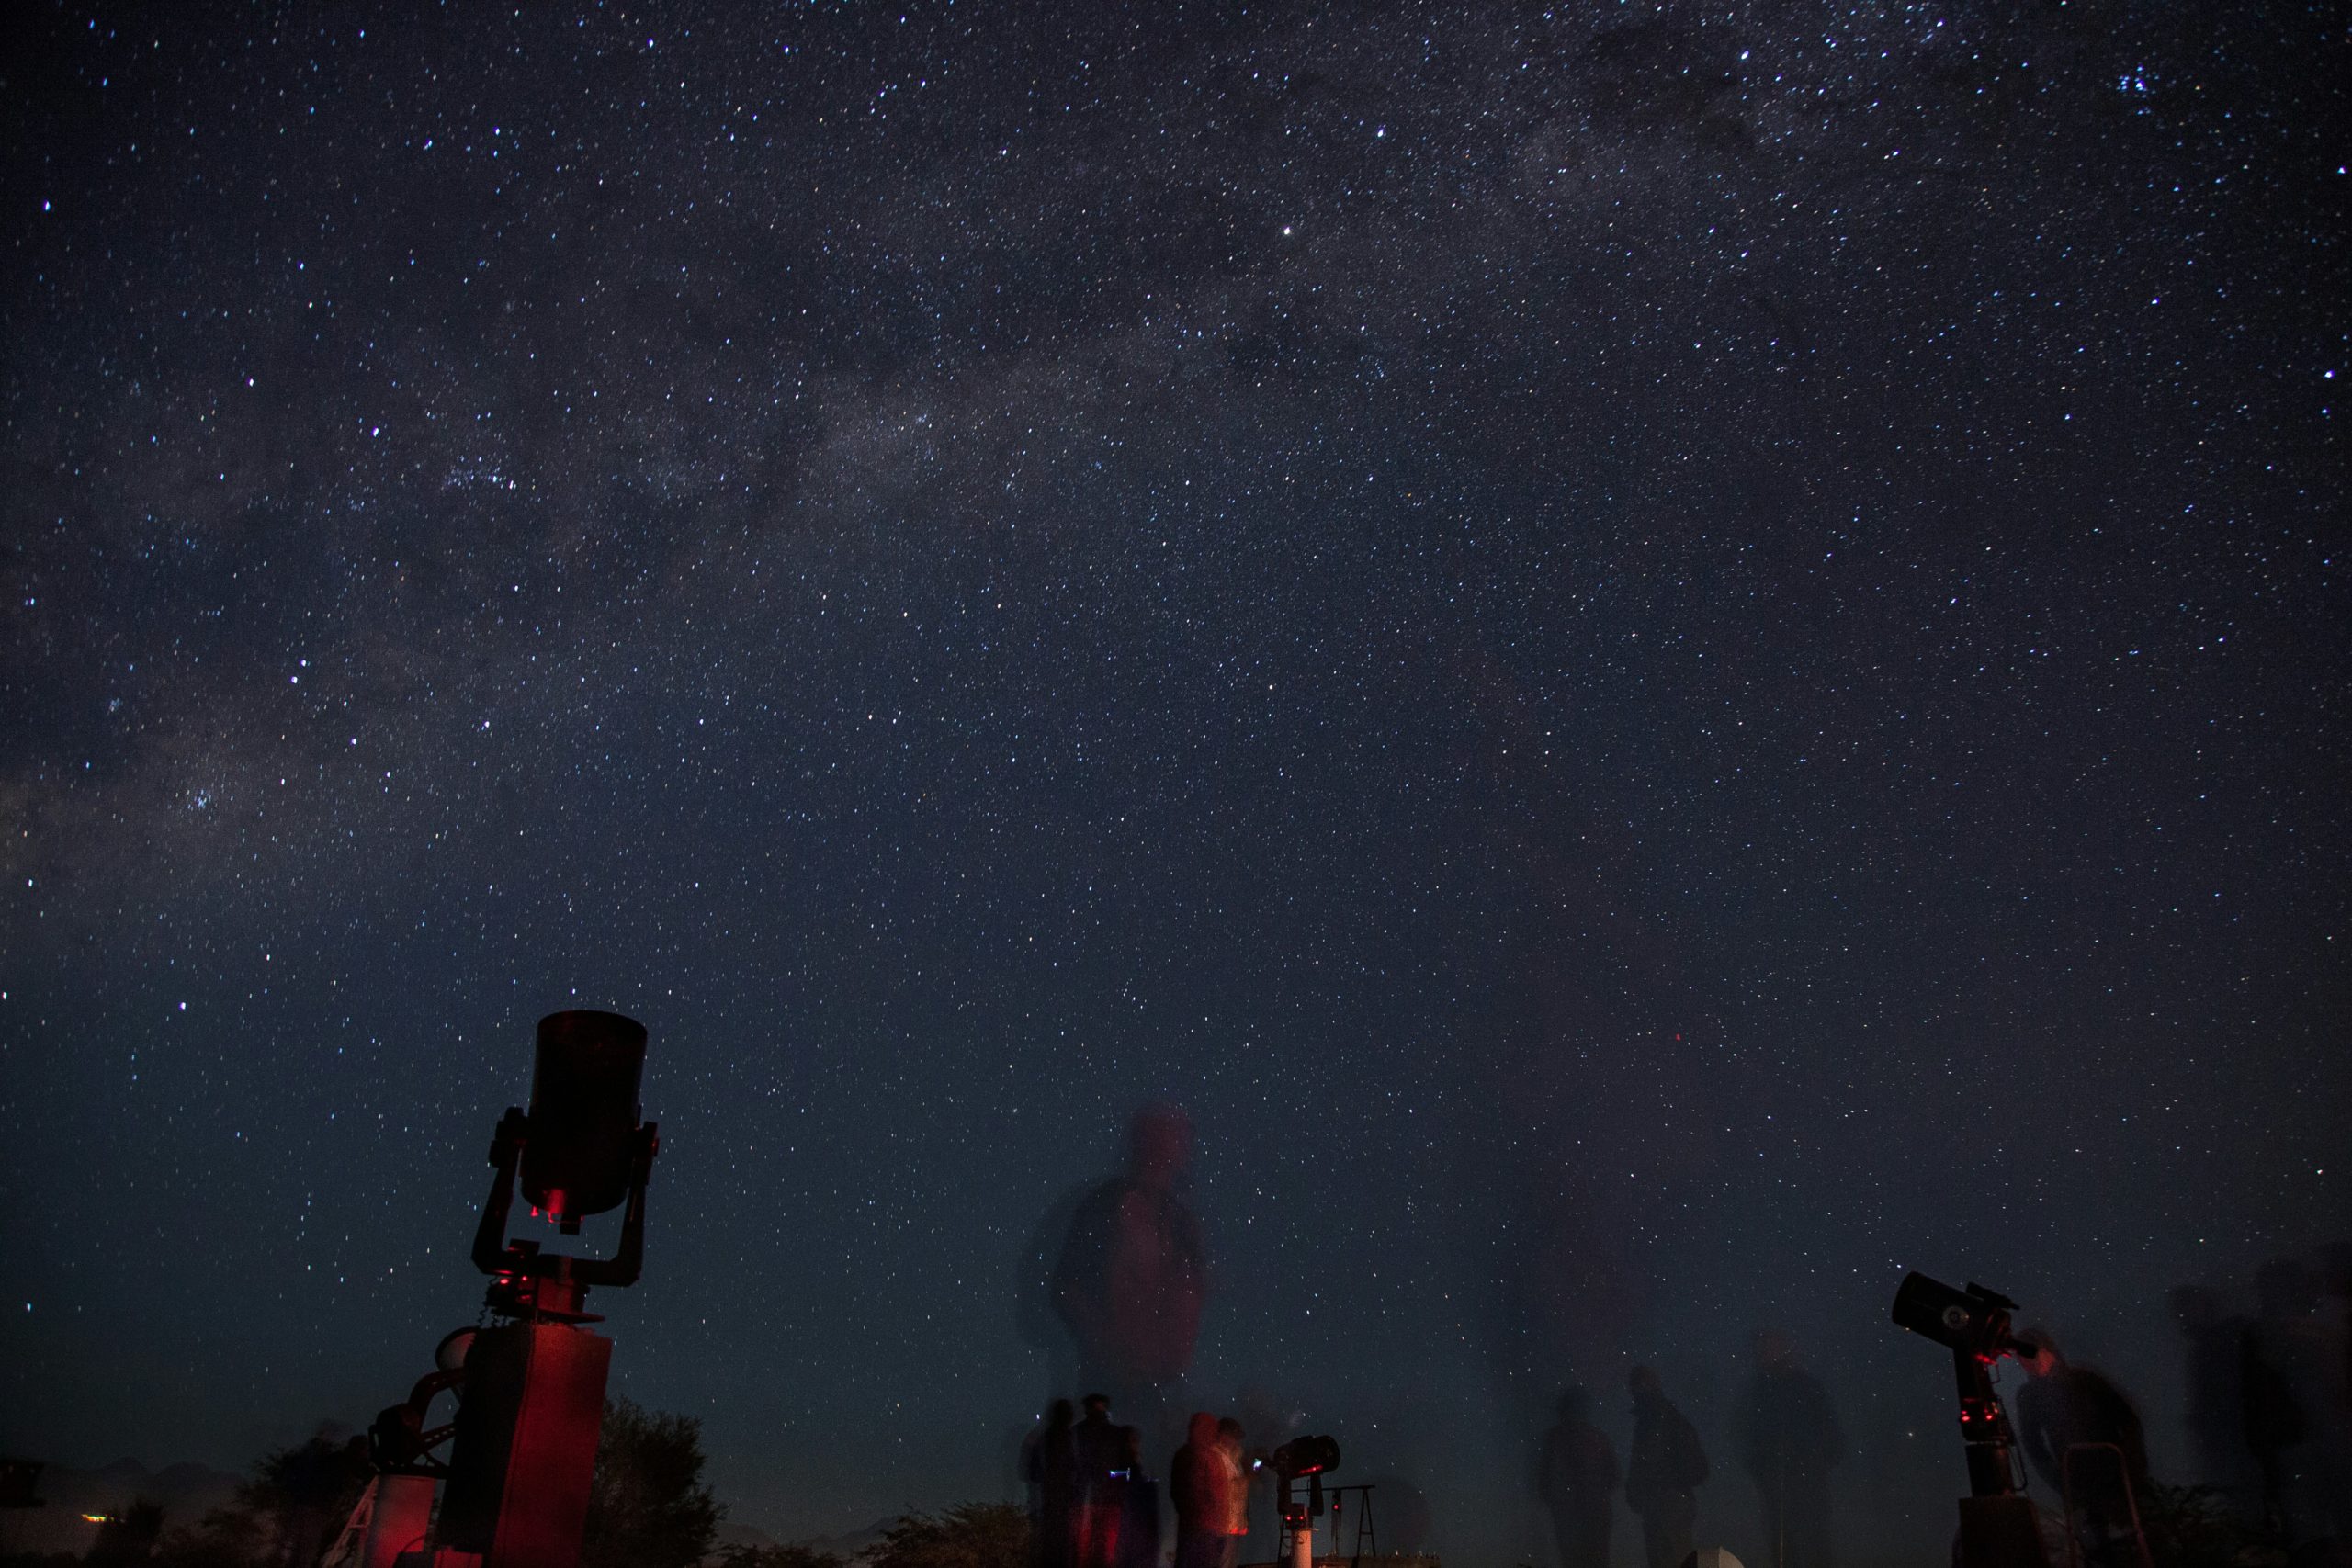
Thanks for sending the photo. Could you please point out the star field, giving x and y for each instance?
(1663, 659)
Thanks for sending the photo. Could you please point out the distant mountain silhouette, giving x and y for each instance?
(856, 1543)
(851, 1547)
(732, 1532)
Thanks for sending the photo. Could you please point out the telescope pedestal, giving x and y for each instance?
(526, 1446)
(1998, 1528)
(388, 1526)
(403, 1513)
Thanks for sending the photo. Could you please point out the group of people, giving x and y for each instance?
(1788, 1440)
(1120, 1274)
(2268, 1419)
(1093, 1502)
(2269, 1412)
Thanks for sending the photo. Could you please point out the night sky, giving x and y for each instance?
(1662, 660)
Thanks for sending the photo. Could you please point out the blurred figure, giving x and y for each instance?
(2336, 1283)
(2334, 1394)
(1270, 1423)
(1140, 1509)
(1199, 1478)
(1664, 1472)
(1049, 1465)
(1788, 1439)
(2085, 1440)
(2295, 1373)
(1100, 1452)
(1230, 1444)
(1133, 1274)
(1576, 1475)
(2211, 1343)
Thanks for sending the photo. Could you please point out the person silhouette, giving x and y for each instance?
(1103, 1464)
(1232, 1441)
(1138, 1509)
(1788, 1440)
(2085, 1439)
(1132, 1277)
(1663, 1473)
(2284, 1371)
(2333, 1392)
(1049, 1464)
(1576, 1475)
(2213, 1364)
(1199, 1478)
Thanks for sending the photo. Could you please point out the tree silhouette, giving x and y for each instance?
(223, 1538)
(648, 1507)
(305, 1491)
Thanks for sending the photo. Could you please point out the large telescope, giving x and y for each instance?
(531, 1386)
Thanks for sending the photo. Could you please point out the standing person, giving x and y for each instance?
(1049, 1463)
(1230, 1442)
(1663, 1472)
(1575, 1474)
(1098, 1499)
(2284, 1376)
(1140, 1509)
(1132, 1277)
(2212, 1359)
(1198, 1479)
(2074, 1425)
(1788, 1439)
(2333, 1394)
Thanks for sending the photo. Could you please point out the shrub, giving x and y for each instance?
(969, 1535)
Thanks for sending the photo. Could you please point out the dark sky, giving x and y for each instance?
(1664, 659)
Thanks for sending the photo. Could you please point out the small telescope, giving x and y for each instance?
(1997, 1526)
